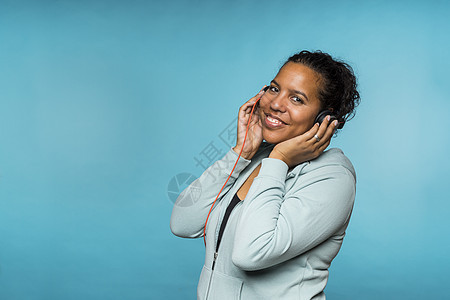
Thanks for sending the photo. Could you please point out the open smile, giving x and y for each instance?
(273, 122)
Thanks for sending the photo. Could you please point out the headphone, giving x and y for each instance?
(319, 119)
(321, 116)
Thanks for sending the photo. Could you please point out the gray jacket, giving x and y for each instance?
(279, 242)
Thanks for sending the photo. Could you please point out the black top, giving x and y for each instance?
(230, 207)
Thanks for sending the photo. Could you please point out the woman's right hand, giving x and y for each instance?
(254, 135)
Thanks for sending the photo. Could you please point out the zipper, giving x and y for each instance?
(212, 271)
(214, 260)
(216, 240)
(216, 252)
(215, 256)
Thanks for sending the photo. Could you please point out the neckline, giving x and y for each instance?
(237, 197)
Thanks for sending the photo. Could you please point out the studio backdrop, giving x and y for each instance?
(108, 109)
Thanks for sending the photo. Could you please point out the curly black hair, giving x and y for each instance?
(338, 89)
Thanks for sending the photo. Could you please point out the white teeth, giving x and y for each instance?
(273, 120)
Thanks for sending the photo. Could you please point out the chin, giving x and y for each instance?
(271, 139)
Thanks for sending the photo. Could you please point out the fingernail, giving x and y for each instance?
(335, 123)
(328, 118)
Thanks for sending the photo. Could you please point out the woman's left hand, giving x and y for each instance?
(305, 146)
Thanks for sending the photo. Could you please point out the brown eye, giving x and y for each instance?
(297, 99)
(273, 89)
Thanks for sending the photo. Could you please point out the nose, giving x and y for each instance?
(278, 103)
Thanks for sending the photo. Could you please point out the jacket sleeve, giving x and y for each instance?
(192, 205)
(275, 226)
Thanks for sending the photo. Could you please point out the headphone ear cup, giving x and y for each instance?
(321, 116)
(341, 124)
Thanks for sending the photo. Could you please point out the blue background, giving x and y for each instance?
(102, 103)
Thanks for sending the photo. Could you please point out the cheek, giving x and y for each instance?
(263, 105)
(264, 101)
(304, 120)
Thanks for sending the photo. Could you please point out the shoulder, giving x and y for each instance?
(330, 179)
(333, 160)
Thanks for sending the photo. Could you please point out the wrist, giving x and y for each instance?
(276, 155)
(245, 155)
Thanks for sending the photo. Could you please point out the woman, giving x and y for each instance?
(279, 241)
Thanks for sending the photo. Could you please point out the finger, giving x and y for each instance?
(323, 127)
(324, 146)
(254, 118)
(247, 106)
(244, 115)
(330, 130)
(249, 109)
(309, 135)
(257, 96)
(261, 91)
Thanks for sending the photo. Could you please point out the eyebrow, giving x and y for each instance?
(295, 91)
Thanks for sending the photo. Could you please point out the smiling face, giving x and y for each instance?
(291, 104)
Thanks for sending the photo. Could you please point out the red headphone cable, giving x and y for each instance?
(251, 113)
